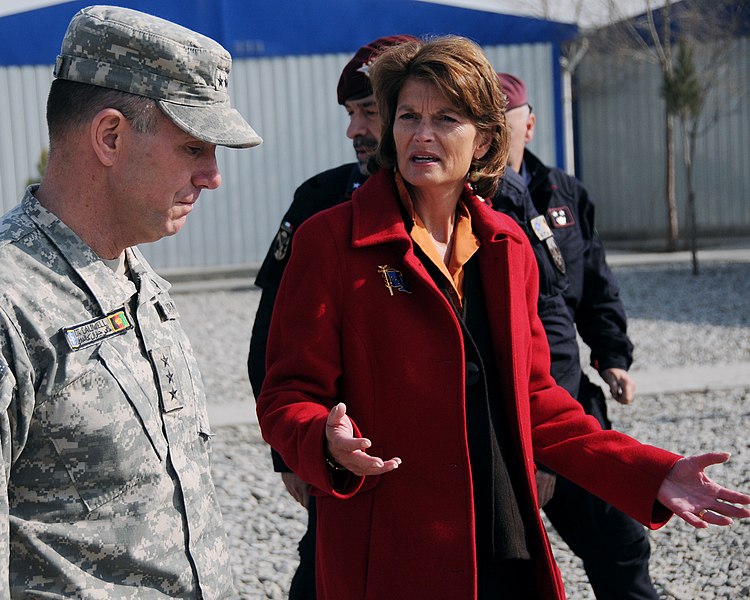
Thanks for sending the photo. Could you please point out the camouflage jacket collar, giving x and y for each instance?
(109, 290)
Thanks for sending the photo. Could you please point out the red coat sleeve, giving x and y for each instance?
(303, 358)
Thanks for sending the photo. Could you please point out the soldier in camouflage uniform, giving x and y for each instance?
(106, 486)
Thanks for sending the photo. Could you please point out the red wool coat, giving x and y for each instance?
(395, 357)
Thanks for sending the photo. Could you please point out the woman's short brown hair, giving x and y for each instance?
(460, 70)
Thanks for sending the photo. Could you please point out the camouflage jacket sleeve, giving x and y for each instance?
(17, 402)
(7, 383)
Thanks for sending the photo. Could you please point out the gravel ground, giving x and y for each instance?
(676, 320)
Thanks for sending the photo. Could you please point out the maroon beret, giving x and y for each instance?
(355, 78)
(515, 90)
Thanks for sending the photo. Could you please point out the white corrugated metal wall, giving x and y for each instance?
(23, 131)
(291, 102)
(621, 142)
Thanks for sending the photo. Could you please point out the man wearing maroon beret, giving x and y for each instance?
(614, 548)
(322, 191)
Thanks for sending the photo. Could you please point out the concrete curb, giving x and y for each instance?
(692, 378)
(232, 413)
(620, 258)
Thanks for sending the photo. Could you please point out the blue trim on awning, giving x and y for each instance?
(559, 116)
(261, 28)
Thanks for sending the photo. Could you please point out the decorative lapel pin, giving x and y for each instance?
(89, 333)
(394, 280)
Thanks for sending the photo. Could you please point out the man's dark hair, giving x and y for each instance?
(71, 104)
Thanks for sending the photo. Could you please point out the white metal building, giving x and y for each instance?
(621, 147)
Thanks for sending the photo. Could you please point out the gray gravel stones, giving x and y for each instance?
(676, 320)
(263, 522)
(686, 563)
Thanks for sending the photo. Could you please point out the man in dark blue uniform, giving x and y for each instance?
(614, 548)
(513, 199)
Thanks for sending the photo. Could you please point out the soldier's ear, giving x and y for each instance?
(106, 134)
(530, 123)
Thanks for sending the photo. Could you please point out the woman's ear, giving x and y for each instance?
(107, 128)
(483, 142)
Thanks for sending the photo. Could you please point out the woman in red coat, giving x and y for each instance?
(408, 315)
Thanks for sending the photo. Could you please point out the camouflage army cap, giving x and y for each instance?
(185, 72)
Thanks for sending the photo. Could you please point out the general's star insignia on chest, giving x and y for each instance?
(171, 396)
(561, 216)
(94, 331)
(394, 280)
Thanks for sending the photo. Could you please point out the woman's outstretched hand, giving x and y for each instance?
(350, 452)
(694, 497)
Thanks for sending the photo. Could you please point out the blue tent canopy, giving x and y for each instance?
(261, 28)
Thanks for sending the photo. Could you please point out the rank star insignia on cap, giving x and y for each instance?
(186, 73)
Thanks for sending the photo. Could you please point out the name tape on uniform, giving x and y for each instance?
(94, 331)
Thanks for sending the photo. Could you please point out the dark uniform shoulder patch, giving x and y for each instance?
(282, 240)
(561, 216)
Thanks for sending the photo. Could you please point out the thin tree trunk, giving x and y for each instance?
(673, 233)
(664, 51)
(689, 150)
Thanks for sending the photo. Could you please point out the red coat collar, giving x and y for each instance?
(377, 216)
